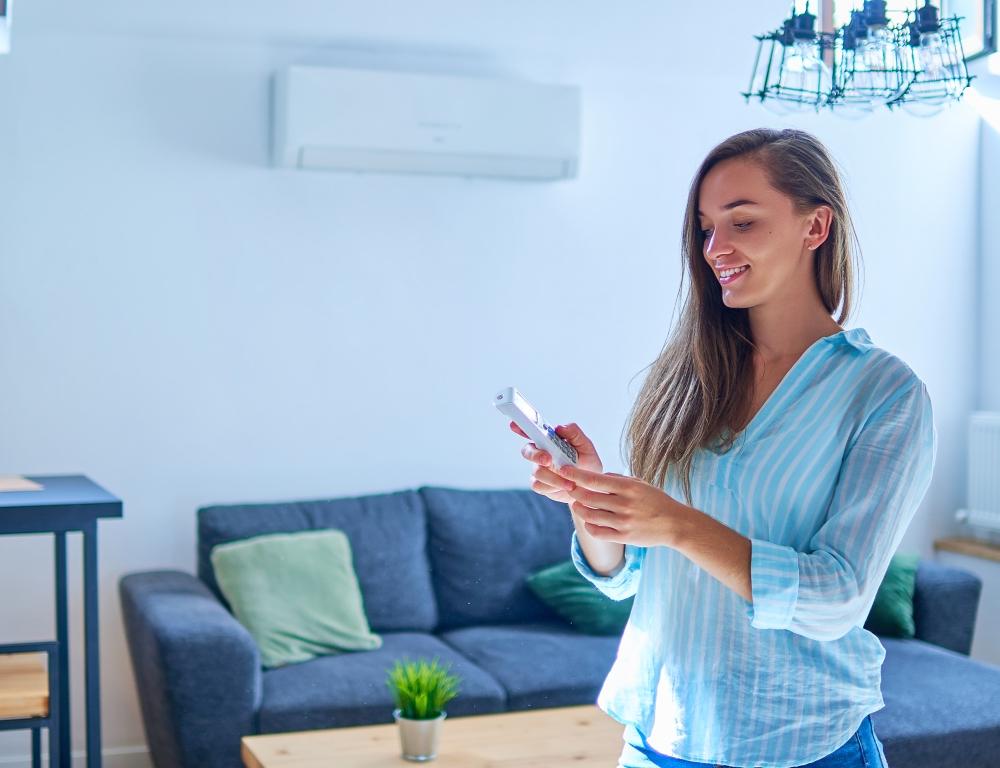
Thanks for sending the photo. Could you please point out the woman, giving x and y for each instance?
(801, 452)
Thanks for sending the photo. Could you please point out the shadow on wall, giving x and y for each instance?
(204, 105)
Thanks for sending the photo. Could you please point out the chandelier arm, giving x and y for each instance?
(756, 61)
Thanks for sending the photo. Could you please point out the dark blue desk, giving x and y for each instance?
(68, 503)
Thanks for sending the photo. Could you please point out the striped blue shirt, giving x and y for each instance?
(824, 481)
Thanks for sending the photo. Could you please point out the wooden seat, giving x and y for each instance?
(24, 686)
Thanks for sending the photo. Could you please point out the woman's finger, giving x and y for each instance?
(543, 488)
(549, 477)
(533, 453)
(575, 436)
(594, 516)
(598, 481)
(600, 532)
(608, 501)
(516, 429)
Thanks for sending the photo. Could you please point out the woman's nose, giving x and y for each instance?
(716, 245)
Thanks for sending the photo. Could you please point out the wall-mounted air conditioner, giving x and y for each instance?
(380, 121)
(6, 9)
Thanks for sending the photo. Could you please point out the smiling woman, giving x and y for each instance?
(802, 451)
(767, 222)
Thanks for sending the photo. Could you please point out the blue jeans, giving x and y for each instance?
(862, 750)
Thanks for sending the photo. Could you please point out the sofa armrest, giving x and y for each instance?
(197, 670)
(945, 603)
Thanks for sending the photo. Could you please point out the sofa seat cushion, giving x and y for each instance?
(539, 664)
(941, 708)
(350, 688)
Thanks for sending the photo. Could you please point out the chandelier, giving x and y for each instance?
(916, 64)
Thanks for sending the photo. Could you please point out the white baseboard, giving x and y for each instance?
(113, 757)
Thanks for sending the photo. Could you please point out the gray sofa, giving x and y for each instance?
(442, 573)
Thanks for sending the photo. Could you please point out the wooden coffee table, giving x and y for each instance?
(583, 737)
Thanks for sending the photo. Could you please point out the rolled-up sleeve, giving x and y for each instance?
(824, 592)
(618, 586)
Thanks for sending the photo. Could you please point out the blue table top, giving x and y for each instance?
(64, 503)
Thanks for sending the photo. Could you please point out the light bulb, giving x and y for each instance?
(853, 110)
(861, 80)
(856, 99)
(880, 58)
(923, 107)
(777, 106)
(875, 49)
(931, 55)
(805, 75)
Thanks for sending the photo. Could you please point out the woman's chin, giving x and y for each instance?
(732, 301)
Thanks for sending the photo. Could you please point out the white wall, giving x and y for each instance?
(188, 325)
(987, 85)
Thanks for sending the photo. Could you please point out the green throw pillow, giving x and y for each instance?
(892, 612)
(296, 593)
(565, 590)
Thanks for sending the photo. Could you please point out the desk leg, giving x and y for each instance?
(62, 637)
(93, 671)
(55, 708)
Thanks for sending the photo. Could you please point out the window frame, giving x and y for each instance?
(827, 8)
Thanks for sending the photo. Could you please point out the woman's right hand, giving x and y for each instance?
(546, 482)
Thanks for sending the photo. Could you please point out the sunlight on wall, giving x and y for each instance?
(993, 64)
(987, 107)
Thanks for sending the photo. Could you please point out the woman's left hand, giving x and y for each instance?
(624, 509)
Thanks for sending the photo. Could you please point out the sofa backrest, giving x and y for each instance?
(483, 544)
(388, 537)
(945, 604)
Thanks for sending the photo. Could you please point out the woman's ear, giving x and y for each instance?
(819, 227)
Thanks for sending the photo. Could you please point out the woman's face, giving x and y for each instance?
(748, 223)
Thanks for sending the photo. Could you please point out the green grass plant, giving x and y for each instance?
(421, 689)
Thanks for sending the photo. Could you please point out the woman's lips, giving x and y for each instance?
(733, 278)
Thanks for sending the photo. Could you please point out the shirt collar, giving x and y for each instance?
(853, 337)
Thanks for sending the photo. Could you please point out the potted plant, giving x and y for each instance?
(421, 690)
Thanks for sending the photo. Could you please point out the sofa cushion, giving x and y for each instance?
(891, 614)
(272, 585)
(388, 537)
(566, 591)
(336, 691)
(940, 708)
(575, 666)
(484, 544)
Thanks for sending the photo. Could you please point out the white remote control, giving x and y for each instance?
(511, 403)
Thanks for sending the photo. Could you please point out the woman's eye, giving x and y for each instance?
(742, 227)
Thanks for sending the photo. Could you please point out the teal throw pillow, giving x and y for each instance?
(565, 590)
(892, 612)
(296, 593)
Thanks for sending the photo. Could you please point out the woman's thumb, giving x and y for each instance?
(571, 432)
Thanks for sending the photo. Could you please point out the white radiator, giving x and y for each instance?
(982, 517)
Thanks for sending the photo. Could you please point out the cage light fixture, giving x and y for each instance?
(917, 64)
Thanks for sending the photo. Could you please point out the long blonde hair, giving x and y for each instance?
(701, 383)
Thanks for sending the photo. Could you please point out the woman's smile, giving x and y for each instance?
(732, 278)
